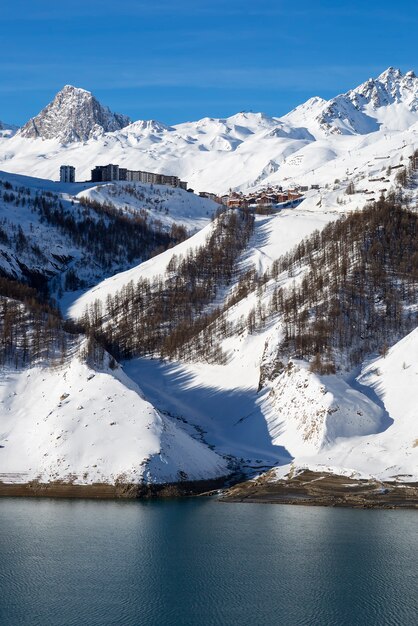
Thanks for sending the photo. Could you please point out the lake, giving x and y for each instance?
(199, 562)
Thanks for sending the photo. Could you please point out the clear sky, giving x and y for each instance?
(179, 60)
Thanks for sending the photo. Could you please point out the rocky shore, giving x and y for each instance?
(322, 489)
(307, 488)
(61, 489)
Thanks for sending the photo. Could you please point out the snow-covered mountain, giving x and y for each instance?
(251, 409)
(389, 102)
(242, 151)
(73, 115)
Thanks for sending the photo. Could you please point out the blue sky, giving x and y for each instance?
(181, 60)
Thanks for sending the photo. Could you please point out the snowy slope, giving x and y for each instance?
(221, 400)
(74, 304)
(306, 412)
(49, 251)
(169, 205)
(74, 423)
(389, 388)
(362, 424)
(274, 235)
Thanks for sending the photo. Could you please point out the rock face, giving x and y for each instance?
(357, 111)
(73, 115)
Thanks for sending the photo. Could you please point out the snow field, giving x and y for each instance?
(77, 424)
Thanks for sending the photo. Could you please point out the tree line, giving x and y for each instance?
(354, 292)
(31, 327)
(160, 317)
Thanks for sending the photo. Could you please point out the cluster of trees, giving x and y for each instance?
(109, 235)
(360, 291)
(112, 238)
(406, 175)
(356, 291)
(163, 315)
(31, 328)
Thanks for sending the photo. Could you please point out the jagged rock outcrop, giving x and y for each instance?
(73, 115)
(357, 111)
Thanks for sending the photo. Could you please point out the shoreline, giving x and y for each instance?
(309, 488)
(107, 491)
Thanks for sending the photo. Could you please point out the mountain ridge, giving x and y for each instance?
(215, 154)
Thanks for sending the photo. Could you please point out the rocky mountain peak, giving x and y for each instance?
(391, 74)
(389, 87)
(358, 110)
(73, 115)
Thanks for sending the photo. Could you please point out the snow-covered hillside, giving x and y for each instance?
(274, 235)
(365, 425)
(349, 422)
(314, 144)
(79, 424)
(36, 243)
(169, 205)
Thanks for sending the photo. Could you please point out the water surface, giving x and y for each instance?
(200, 562)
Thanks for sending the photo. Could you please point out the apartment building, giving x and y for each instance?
(67, 174)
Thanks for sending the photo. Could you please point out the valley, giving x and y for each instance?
(184, 341)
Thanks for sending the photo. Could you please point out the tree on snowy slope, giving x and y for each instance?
(161, 316)
(360, 290)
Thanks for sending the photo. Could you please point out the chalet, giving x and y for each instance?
(292, 194)
(237, 201)
(210, 196)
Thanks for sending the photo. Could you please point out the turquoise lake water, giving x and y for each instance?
(199, 562)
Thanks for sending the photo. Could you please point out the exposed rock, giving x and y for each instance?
(350, 113)
(73, 115)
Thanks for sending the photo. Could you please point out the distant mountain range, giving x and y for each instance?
(242, 151)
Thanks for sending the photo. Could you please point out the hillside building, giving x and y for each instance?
(67, 174)
(109, 173)
(105, 173)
